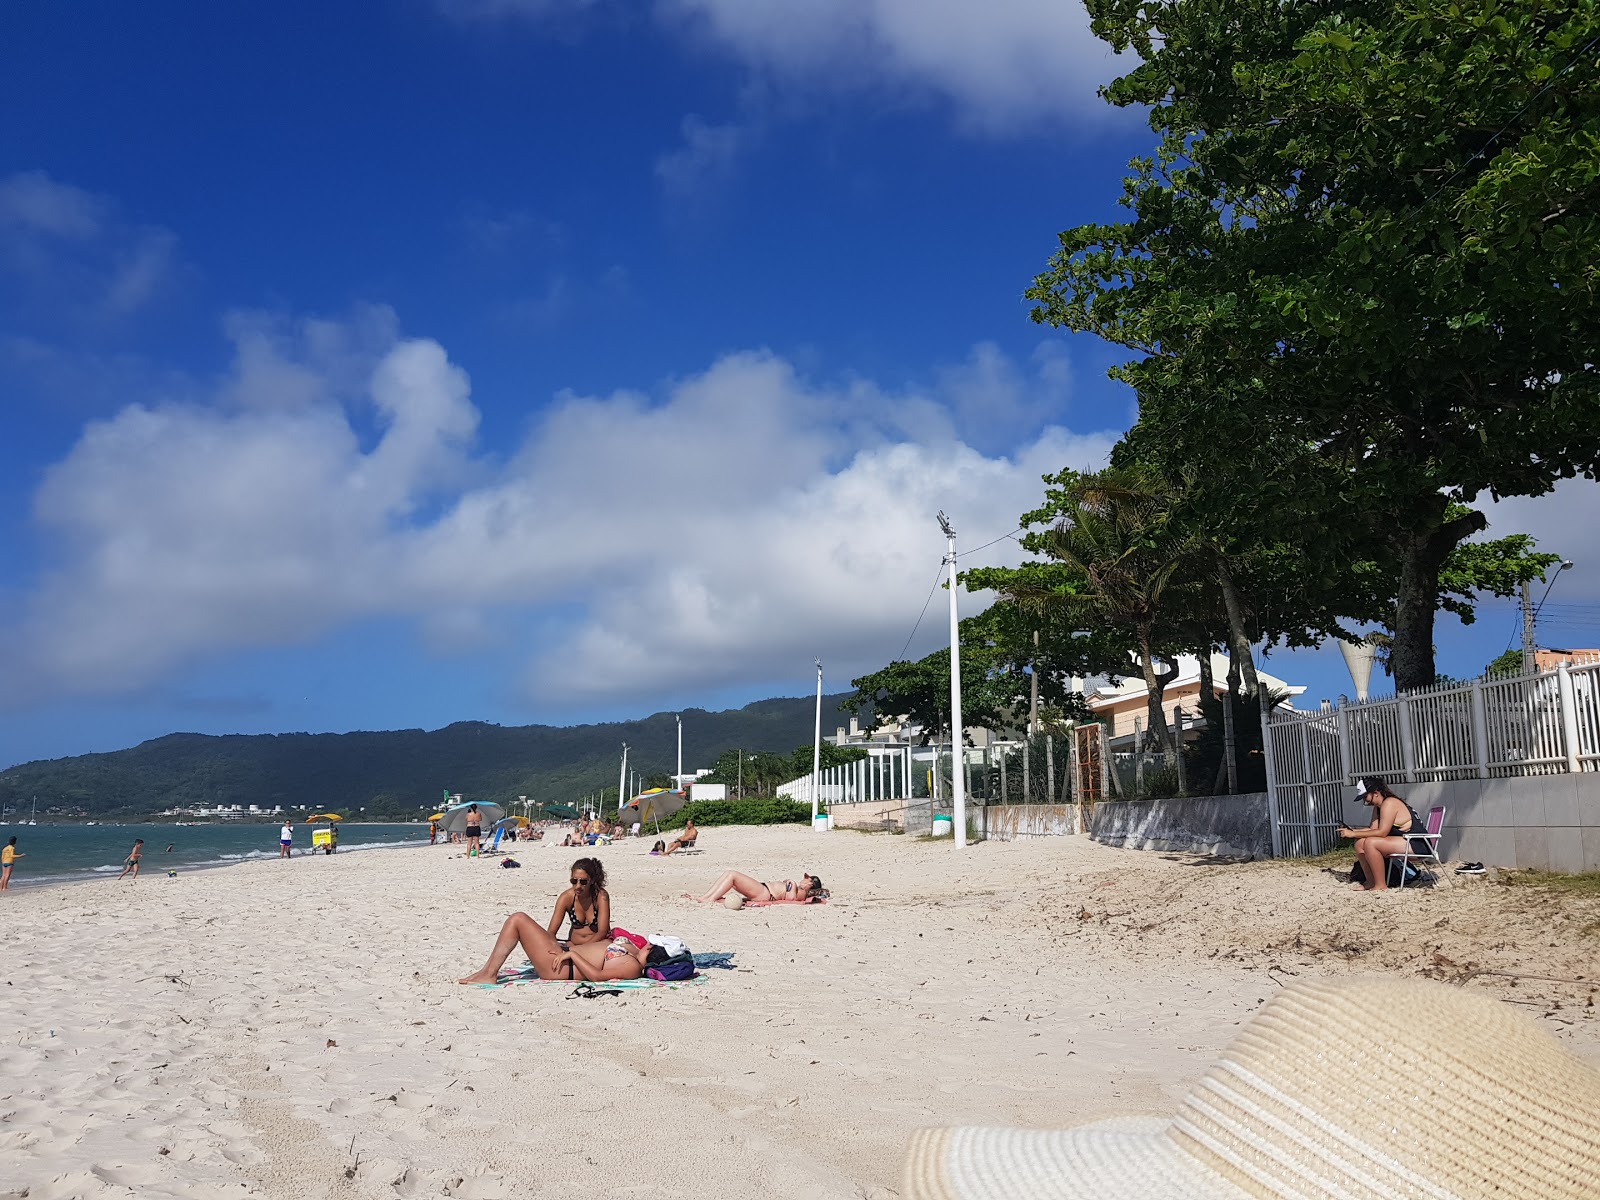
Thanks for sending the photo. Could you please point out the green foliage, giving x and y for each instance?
(396, 774)
(1359, 273)
(754, 810)
(1509, 663)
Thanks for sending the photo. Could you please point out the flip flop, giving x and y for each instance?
(588, 991)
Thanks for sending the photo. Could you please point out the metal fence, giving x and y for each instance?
(1492, 727)
(1036, 770)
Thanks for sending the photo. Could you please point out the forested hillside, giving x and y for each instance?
(394, 773)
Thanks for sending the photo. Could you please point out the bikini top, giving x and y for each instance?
(592, 923)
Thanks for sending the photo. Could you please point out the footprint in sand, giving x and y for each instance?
(480, 1187)
(126, 1176)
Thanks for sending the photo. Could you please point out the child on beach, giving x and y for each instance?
(808, 891)
(8, 856)
(132, 861)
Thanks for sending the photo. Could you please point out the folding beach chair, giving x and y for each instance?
(1434, 827)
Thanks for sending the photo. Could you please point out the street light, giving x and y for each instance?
(1530, 614)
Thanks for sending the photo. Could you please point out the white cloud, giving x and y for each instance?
(69, 251)
(709, 534)
(1000, 63)
(705, 159)
(1563, 523)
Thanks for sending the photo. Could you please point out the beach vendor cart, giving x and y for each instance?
(325, 838)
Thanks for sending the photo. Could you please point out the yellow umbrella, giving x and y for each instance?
(323, 817)
(437, 817)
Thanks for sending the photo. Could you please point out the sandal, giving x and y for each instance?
(588, 991)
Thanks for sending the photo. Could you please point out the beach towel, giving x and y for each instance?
(770, 903)
(528, 975)
(714, 958)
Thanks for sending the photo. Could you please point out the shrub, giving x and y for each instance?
(753, 810)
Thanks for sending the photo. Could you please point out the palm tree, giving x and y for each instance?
(1118, 530)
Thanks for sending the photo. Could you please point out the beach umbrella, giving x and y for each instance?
(511, 823)
(323, 817)
(436, 817)
(455, 817)
(655, 805)
(565, 811)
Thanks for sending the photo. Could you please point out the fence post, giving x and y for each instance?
(1272, 779)
(1138, 757)
(1408, 754)
(1346, 753)
(1107, 779)
(1004, 796)
(1480, 730)
(1177, 726)
(1074, 781)
(1569, 716)
(1027, 769)
(1050, 768)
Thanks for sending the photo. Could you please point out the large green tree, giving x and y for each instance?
(1360, 271)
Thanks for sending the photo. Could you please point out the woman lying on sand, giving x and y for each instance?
(586, 903)
(807, 891)
(623, 957)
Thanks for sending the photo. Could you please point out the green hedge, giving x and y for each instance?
(756, 810)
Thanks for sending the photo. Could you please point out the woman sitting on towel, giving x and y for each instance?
(1392, 820)
(622, 957)
(586, 903)
(808, 891)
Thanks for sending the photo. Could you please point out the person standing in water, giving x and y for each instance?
(132, 862)
(286, 840)
(8, 856)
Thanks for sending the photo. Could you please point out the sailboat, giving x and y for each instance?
(34, 819)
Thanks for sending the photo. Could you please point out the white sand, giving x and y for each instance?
(293, 1029)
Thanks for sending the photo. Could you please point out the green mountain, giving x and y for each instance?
(400, 773)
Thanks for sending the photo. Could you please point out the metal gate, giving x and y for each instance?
(1306, 782)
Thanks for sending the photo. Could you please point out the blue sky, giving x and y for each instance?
(383, 365)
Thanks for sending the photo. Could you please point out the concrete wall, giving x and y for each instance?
(1008, 822)
(1549, 822)
(1236, 826)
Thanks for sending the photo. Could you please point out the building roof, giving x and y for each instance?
(1107, 695)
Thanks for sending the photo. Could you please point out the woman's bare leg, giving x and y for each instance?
(536, 941)
(1374, 861)
(747, 886)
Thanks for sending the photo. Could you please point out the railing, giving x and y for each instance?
(1037, 771)
(1493, 727)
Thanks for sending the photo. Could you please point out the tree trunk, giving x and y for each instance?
(1155, 688)
(1421, 556)
(1238, 635)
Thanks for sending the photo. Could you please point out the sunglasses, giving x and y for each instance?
(575, 880)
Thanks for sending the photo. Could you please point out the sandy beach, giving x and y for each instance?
(294, 1029)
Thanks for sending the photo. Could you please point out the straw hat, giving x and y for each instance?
(1353, 1090)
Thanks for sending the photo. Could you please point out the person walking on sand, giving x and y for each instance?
(132, 861)
(433, 832)
(474, 829)
(286, 840)
(8, 856)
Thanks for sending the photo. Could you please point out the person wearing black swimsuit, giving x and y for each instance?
(1392, 820)
(585, 903)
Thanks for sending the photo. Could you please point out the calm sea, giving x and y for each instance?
(58, 853)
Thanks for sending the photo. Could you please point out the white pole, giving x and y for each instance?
(816, 749)
(622, 777)
(679, 779)
(958, 773)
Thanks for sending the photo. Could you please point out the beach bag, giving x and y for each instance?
(509, 862)
(1358, 873)
(673, 968)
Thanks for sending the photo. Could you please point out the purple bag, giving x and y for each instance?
(680, 966)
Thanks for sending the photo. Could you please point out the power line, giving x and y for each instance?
(997, 540)
(940, 575)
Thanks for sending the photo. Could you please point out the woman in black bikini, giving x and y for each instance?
(807, 891)
(586, 903)
(590, 945)
(1392, 820)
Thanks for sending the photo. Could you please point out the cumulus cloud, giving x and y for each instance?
(705, 158)
(67, 248)
(999, 63)
(704, 534)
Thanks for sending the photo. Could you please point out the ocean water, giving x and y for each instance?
(58, 853)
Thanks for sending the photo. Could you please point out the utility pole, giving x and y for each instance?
(1033, 688)
(679, 779)
(622, 776)
(1530, 658)
(816, 750)
(958, 780)
(740, 787)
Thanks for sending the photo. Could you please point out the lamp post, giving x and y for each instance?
(816, 749)
(958, 774)
(1530, 614)
(622, 777)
